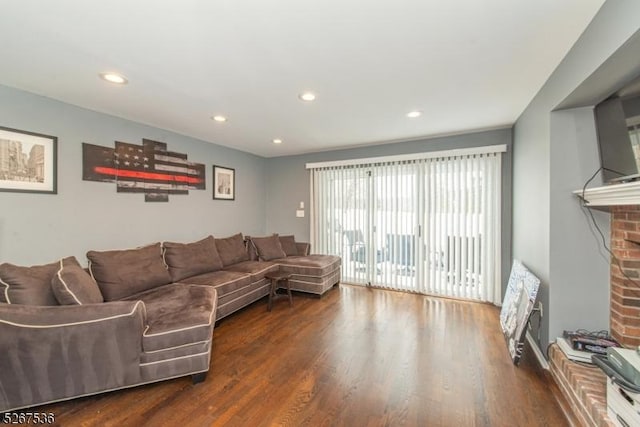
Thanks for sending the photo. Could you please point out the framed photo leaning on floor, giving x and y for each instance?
(518, 304)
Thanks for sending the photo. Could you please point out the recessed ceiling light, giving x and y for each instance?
(414, 114)
(277, 141)
(220, 119)
(114, 78)
(307, 96)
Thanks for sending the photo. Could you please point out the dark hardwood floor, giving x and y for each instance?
(356, 357)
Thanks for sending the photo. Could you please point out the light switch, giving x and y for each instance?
(300, 213)
(301, 205)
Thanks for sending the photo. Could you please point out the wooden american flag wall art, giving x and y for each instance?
(148, 168)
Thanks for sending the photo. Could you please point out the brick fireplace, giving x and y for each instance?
(625, 293)
(584, 387)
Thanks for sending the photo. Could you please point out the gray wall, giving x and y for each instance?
(288, 180)
(39, 228)
(578, 265)
(536, 214)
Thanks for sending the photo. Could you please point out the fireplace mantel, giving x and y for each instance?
(612, 195)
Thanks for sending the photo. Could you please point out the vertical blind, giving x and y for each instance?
(427, 225)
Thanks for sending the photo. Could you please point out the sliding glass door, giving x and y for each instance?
(396, 213)
(423, 225)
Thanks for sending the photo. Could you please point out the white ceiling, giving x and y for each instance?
(466, 64)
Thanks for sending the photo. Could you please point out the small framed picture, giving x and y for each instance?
(224, 183)
(28, 161)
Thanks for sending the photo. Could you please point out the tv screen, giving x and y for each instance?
(618, 126)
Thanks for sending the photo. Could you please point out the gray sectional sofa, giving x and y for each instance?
(135, 316)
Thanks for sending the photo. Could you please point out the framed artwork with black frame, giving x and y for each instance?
(28, 162)
(224, 183)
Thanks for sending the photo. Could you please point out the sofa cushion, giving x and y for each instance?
(257, 269)
(268, 248)
(170, 354)
(73, 285)
(303, 248)
(189, 259)
(177, 315)
(288, 244)
(310, 265)
(122, 273)
(28, 285)
(232, 249)
(251, 249)
(224, 281)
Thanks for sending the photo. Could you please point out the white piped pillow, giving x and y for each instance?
(72, 285)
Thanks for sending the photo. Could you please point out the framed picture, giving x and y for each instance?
(517, 307)
(28, 162)
(224, 183)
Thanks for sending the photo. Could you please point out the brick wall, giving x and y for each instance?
(625, 293)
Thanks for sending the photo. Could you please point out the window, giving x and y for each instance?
(428, 224)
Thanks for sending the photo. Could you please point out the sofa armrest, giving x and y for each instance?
(303, 248)
(58, 352)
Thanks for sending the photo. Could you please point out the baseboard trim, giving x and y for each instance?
(536, 350)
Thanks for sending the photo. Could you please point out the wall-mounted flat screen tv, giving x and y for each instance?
(618, 126)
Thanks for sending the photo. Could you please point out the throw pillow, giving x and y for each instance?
(122, 273)
(232, 249)
(28, 285)
(251, 250)
(268, 248)
(189, 259)
(72, 285)
(288, 244)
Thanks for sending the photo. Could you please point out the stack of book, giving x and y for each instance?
(590, 342)
(575, 355)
